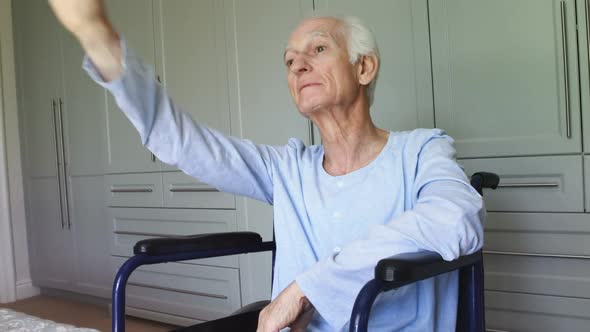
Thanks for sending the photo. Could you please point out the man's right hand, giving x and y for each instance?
(88, 22)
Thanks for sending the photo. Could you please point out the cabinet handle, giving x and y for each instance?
(143, 234)
(568, 128)
(132, 190)
(153, 158)
(217, 296)
(588, 28)
(526, 254)
(495, 330)
(57, 163)
(529, 185)
(311, 138)
(193, 190)
(65, 164)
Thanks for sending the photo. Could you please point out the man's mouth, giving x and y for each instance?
(307, 85)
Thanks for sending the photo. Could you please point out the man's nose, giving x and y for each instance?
(300, 65)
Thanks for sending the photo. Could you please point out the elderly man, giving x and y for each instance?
(364, 194)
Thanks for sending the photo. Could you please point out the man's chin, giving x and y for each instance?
(309, 109)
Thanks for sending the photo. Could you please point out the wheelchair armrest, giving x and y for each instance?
(249, 241)
(404, 269)
(482, 180)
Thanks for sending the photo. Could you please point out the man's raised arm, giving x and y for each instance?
(88, 22)
(227, 163)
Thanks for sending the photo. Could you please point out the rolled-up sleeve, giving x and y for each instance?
(230, 164)
(447, 218)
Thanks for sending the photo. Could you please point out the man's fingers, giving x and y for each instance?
(284, 310)
(300, 324)
(265, 322)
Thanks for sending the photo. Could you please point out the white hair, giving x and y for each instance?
(360, 41)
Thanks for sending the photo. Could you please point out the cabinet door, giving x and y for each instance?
(192, 59)
(50, 243)
(583, 12)
(533, 184)
(403, 95)
(523, 312)
(505, 78)
(133, 19)
(83, 109)
(91, 231)
(185, 290)
(40, 79)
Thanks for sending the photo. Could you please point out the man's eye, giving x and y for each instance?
(289, 62)
(320, 49)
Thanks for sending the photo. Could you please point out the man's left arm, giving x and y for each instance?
(447, 218)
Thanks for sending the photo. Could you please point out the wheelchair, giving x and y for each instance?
(390, 273)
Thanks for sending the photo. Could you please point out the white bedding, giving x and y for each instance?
(18, 322)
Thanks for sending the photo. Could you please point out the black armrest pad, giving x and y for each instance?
(481, 180)
(407, 268)
(191, 243)
(489, 180)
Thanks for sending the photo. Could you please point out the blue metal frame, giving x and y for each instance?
(476, 299)
(471, 301)
(361, 310)
(118, 309)
(470, 317)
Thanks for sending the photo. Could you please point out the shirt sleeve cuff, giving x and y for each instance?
(128, 59)
(313, 284)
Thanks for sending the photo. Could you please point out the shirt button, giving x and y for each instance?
(337, 250)
(337, 215)
(340, 184)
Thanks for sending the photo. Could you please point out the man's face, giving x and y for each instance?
(319, 72)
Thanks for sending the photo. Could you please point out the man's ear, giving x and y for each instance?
(367, 68)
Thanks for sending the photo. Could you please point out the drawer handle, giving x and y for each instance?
(217, 296)
(132, 190)
(193, 190)
(508, 253)
(529, 185)
(144, 234)
(495, 330)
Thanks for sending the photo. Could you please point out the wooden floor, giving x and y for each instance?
(80, 314)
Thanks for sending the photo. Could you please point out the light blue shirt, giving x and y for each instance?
(330, 230)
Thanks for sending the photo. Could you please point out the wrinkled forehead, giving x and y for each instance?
(326, 27)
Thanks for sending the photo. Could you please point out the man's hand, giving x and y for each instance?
(88, 22)
(290, 308)
(79, 15)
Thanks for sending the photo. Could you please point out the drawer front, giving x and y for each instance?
(556, 276)
(135, 190)
(183, 191)
(193, 291)
(535, 184)
(547, 234)
(587, 179)
(513, 312)
(131, 225)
